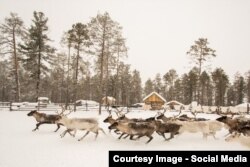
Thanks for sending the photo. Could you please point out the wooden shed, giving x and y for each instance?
(155, 100)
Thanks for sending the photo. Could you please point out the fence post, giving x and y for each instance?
(248, 108)
(86, 106)
(10, 105)
(38, 105)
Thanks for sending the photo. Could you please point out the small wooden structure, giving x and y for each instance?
(155, 100)
(42, 102)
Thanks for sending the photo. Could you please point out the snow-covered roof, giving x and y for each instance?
(86, 101)
(157, 94)
(174, 102)
(43, 98)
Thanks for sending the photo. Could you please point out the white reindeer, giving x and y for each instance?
(74, 124)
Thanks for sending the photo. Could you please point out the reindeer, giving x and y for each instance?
(111, 120)
(131, 128)
(74, 124)
(162, 128)
(43, 118)
(205, 127)
(239, 124)
(237, 137)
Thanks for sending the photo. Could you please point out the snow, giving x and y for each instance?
(243, 105)
(22, 147)
(91, 102)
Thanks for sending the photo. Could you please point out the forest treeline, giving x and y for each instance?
(91, 64)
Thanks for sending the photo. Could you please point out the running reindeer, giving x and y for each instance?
(74, 124)
(43, 118)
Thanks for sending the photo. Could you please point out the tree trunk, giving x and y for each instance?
(76, 75)
(17, 96)
(38, 74)
(101, 75)
(67, 91)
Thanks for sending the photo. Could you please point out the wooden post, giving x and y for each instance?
(10, 105)
(38, 106)
(86, 104)
(248, 108)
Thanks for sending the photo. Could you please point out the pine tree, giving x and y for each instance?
(221, 82)
(12, 30)
(148, 87)
(5, 83)
(67, 40)
(103, 32)
(248, 86)
(37, 50)
(79, 37)
(205, 83)
(136, 89)
(200, 53)
(169, 79)
(239, 87)
(157, 84)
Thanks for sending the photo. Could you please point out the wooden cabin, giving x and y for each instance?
(155, 100)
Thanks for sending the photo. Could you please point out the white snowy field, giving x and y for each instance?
(19, 146)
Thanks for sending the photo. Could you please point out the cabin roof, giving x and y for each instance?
(154, 93)
(174, 102)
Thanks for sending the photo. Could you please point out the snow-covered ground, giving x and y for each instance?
(19, 146)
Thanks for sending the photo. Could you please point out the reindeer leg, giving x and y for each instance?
(227, 134)
(64, 133)
(37, 125)
(215, 138)
(96, 134)
(131, 137)
(138, 137)
(121, 135)
(125, 136)
(84, 136)
(73, 135)
(117, 131)
(163, 135)
(171, 136)
(150, 138)
(58, 126)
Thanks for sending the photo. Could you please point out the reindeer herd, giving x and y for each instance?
(134, 128)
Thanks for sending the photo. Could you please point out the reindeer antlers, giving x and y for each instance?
(63, 109)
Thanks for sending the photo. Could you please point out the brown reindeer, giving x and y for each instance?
(43, 118)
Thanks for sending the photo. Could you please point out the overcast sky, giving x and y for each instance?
(158, 32)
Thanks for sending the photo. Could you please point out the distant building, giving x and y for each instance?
(173, 104)
(43, 100)
(155, 100)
